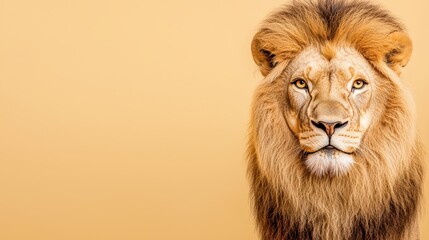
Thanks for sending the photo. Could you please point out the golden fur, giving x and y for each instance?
(379, 196)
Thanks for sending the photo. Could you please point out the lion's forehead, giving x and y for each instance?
(344, 65)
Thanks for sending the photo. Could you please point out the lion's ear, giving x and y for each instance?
(397, 51)
(268, 50)
(263, 54)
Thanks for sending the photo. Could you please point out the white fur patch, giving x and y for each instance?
(329, 161)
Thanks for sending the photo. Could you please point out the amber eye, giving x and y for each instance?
(358, 84)
(300, 83)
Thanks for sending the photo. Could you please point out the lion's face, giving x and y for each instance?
(331, 88)
(329, 106)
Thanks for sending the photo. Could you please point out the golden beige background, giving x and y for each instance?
(127, 119)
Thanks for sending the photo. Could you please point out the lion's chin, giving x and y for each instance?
(329, 162)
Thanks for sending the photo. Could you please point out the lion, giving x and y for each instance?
(333, 149)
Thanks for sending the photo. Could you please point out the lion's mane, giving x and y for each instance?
(379, 197)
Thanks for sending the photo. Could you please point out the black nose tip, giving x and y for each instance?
(329, 127)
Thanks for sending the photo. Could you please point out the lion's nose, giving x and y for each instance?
(329, 127)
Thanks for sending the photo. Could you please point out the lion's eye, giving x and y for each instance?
(358, 84)
(300, 83)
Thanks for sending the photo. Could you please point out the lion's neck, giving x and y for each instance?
(344, 208)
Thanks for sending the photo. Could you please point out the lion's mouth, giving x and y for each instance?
(329, 160)
(329, 149)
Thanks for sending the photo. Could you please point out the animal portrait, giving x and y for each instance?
(333, 150)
